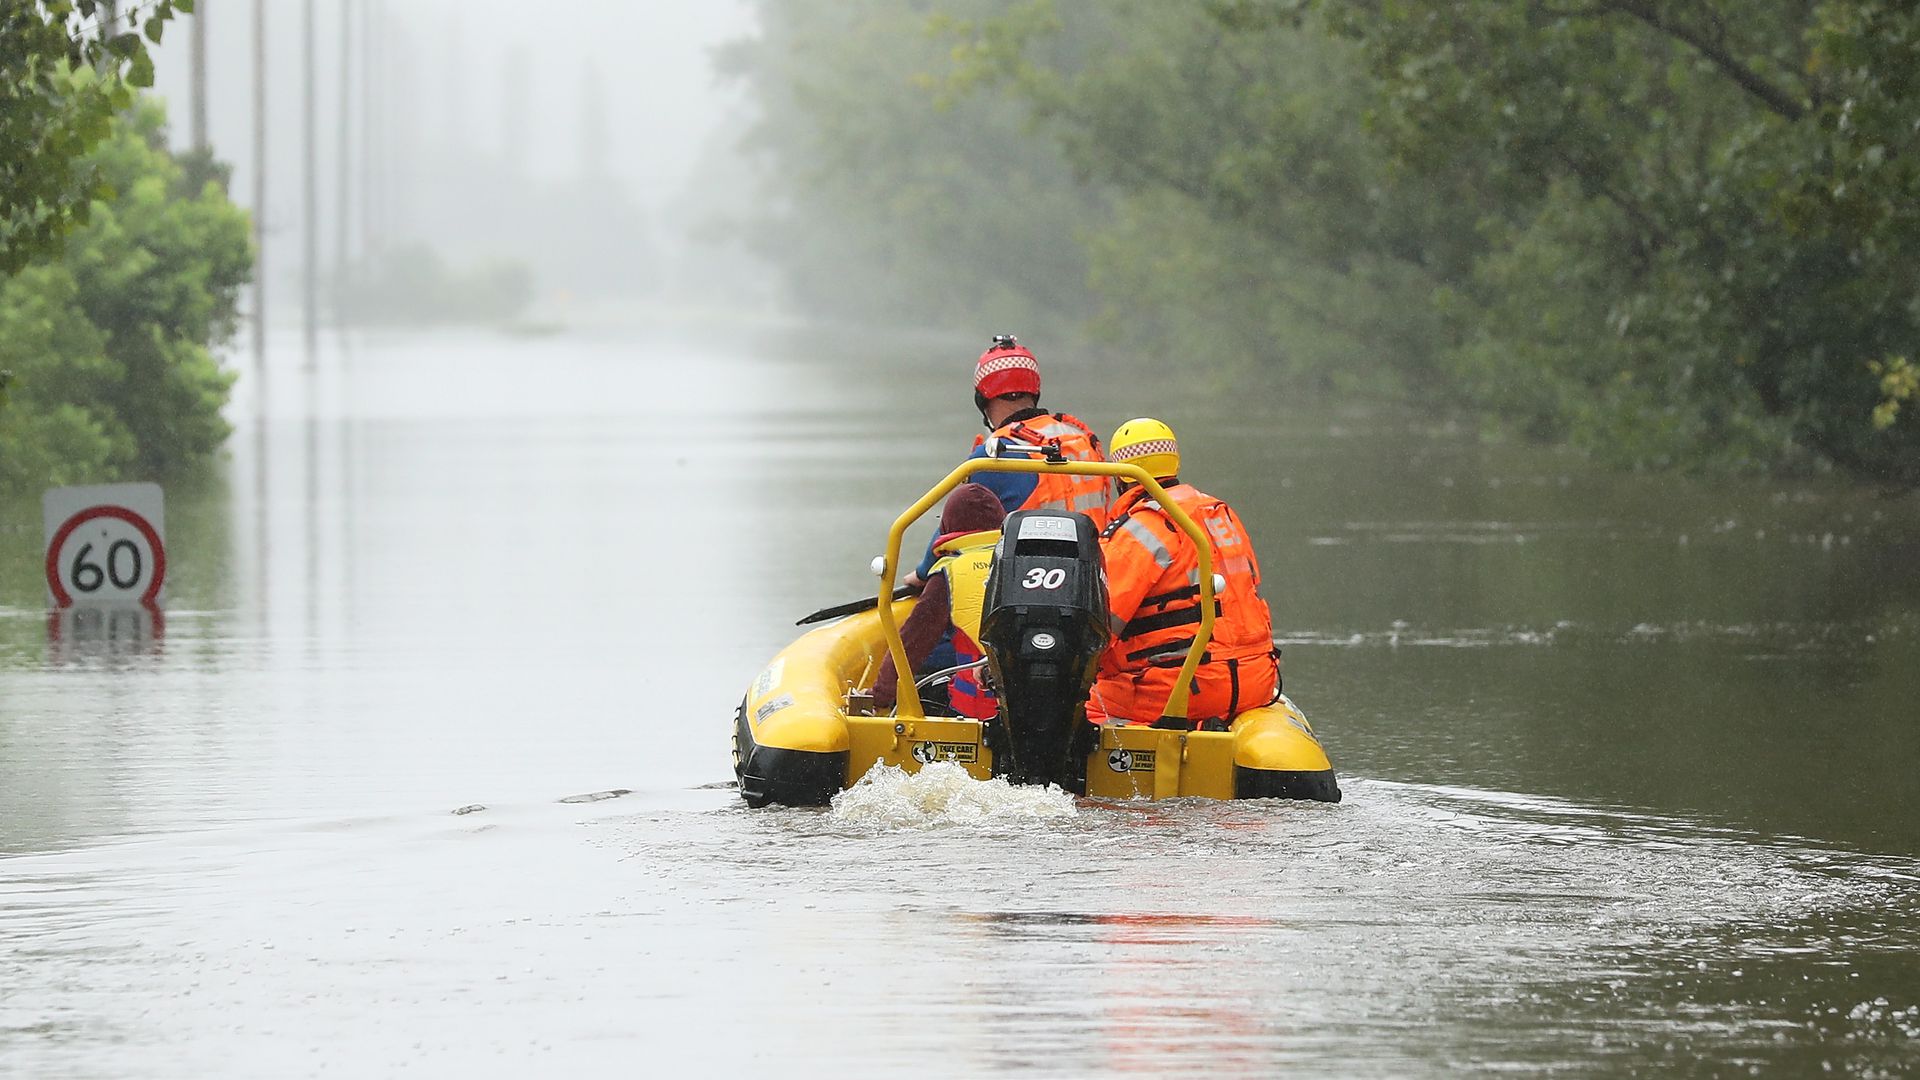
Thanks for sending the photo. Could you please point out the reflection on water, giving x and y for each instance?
(78, 635)
(1627, 759)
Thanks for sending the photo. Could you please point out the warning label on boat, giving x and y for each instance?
(771, 707)
(1124, 760)
(964, 752)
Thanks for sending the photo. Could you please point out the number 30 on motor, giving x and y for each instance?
(1041, 577)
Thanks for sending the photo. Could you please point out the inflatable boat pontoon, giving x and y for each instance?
(806, 728)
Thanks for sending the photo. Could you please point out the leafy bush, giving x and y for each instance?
(50, 119)
(109, 345)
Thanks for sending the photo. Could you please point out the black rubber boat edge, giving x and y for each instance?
(1319, 786)
(769, 774)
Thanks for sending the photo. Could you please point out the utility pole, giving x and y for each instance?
(370, 58)
(593, 127)
(456, 92)
(310, 209)
(260, 193)
(400, 135)
(514, 84)
(344, 175)
(199, 63)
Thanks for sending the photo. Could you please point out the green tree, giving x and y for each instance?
(49, 120)
(1670, 233)
(1257, 224)
(1702, 218)
(110, 345)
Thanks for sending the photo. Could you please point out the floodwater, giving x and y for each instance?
(424, 773)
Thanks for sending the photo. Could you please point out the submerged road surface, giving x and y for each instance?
(1629, 762)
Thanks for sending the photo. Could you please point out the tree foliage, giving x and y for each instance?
(1703, 218)
(1256, 223)
(1672, 233)
(887, 199)
(50, 120)
(109, 345)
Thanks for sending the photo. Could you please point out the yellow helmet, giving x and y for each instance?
(1148, 443)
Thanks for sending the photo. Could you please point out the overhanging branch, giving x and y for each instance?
(1715, 51)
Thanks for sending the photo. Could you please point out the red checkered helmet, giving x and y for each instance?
(1006, 368)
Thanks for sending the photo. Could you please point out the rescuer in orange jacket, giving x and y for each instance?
(1006, 390)
(1153, 597)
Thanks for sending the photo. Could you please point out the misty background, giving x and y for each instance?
(1570, 402)
(590, 145)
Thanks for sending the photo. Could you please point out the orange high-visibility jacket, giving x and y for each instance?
(1153, 597)
(1055, 491)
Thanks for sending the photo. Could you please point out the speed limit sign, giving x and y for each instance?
(105, 544)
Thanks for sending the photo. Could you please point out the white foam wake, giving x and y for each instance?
(942, 793)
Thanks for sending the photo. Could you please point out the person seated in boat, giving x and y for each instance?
(949, 607)
(1153, 597)
(1006, 390)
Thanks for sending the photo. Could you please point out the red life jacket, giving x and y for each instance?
(966, 559)
(965, 694)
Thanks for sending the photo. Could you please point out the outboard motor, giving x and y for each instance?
(1043, 627)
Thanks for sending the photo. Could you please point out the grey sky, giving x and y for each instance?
(463, 80)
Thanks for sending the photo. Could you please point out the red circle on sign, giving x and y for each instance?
(61, 597)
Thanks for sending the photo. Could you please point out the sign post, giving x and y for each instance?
(106, 545)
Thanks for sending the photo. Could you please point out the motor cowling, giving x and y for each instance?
(1043, 627)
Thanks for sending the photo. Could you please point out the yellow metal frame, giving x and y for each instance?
(908, 705)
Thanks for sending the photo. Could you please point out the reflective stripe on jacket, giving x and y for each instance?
(967, 559)
(1154, 601)
(1055, 491)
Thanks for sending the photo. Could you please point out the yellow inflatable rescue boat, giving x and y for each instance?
(807, 729)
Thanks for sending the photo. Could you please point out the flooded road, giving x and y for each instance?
(1629, 761)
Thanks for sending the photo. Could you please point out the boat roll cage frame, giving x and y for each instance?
(908, 705)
